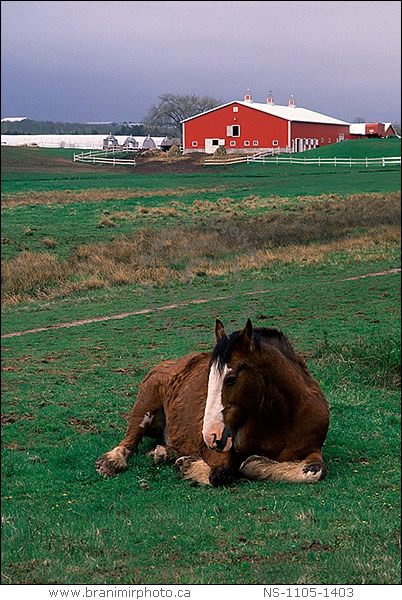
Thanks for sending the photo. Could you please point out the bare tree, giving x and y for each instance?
(171, 109)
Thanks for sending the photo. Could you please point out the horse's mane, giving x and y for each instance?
(224, 348)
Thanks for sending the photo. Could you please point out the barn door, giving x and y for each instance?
(211, 144)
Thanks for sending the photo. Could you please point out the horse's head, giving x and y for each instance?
(235, 386)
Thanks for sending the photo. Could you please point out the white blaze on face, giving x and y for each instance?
(213, 424)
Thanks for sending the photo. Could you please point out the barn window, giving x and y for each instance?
(235, 109)
(232, 143)
(329, 140)
(246, 143)
(233, 130)
(255, 142)
(194, 143)
(341, 137)
(215, 142)
(322, 140)
(274, 142)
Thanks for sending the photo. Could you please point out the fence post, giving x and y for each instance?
(366, 162)
(383, 161)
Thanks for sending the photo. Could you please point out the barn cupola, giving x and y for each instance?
(292, 101)
(248, 97)
(270, 99)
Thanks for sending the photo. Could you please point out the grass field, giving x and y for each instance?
(287, 248)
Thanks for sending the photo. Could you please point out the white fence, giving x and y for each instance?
(233, 160)
(102, 156)
(335, 161)
(267, 158)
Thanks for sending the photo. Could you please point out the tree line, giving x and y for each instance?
(29, 127)
(163, 119)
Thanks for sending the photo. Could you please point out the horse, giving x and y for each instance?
(249, 408)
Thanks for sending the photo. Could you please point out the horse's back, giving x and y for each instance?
(169, 371)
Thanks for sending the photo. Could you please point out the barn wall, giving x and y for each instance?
(375, 129)
(390, 131)
(255, 126)
(323, 132)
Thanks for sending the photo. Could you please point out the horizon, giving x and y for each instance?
(115, 122)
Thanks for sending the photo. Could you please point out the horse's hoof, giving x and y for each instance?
(104, 467)
(315, 471)
(184, 463)
(221, 476)
(162, 454)
(113, 462)
(193, 467)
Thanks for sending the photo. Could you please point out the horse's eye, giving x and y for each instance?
(230, 380)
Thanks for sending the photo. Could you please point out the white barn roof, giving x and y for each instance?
(294, 113)
(14, 119)
(289, 113)
(357, 128)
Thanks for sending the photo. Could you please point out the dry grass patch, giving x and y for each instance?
(32, 198)
(362, 227)
(174, 255)
(373, 245)
(29, 272)
(49, 243)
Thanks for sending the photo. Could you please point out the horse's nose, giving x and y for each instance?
(225, 442)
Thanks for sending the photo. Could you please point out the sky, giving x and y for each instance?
(110, 61)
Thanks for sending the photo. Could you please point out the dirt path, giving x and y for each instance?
(145, 311)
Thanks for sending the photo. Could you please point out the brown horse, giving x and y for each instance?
(250, 408)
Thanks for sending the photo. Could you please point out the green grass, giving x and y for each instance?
(49, 169)
(365, 148)
(67, 392)
(67, 397)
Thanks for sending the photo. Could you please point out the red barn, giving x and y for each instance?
(389, 130)
(242, 126)
(378, 130)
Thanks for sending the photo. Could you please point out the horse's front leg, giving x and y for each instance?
(309, 470)
(147, 419)
(163, 454)
(211, 469)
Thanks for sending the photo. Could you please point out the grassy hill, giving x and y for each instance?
(370, 148)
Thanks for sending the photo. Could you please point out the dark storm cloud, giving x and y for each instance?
(85, 61)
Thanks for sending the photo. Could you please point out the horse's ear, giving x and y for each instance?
(220, 333)
(247, 335)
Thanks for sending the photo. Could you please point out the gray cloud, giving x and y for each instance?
(84, 61)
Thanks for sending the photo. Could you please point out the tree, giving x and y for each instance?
(397, 127)
(171, 109)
